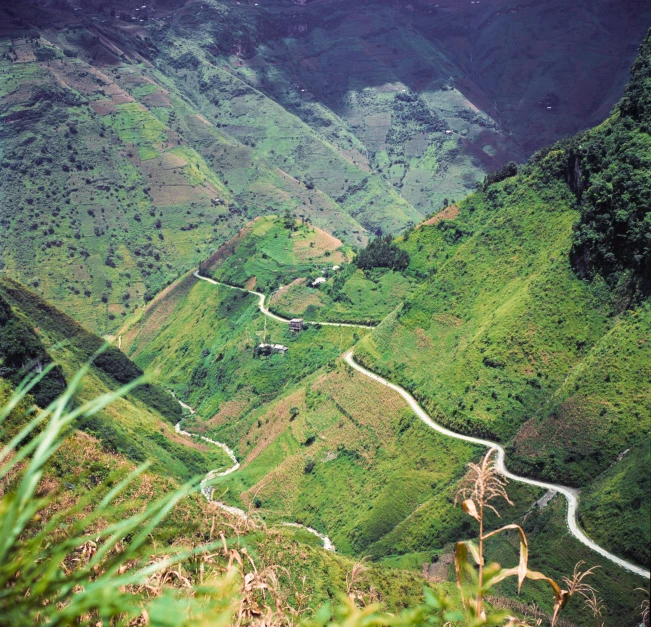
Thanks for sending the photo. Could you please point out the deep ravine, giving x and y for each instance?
(571, 495)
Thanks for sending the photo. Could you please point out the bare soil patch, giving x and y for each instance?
(322, 242)
(156, 313)
(449, 213)
(103, 107)
(158, 99)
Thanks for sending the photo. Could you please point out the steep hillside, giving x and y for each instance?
(82, 473)
(110, 188)
(418, 92)
(518, 336)
(139, 426)
(136, 141)
(202, 341)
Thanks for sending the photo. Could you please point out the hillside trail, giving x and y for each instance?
(267, 312)
(207, 490)
(571, 495)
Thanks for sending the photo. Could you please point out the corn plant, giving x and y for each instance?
(644, 607)
(482, 487)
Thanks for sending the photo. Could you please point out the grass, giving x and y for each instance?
(90, 537)
(614, 508)
(283, 264)
(266, 254)
(364, 479)
(365, 296)
(139, 424)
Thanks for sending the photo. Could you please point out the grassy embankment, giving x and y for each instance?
(139, 426)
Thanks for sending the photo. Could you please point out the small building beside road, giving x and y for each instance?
(296, 325)
(268, 349)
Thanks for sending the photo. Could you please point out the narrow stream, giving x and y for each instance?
(207, 490)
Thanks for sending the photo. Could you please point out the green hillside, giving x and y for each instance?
(519, 337)
(322, 446)
(139, 426)
(109, 186)
(273, 251)
(201, 340)
(372, 164)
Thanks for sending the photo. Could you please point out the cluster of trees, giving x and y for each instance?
(382, 252)
(610, 171)
(506, 171)
(21, 353)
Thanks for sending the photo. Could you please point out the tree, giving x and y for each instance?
(382, 252)
(289, 220)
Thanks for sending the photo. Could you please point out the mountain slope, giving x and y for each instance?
(140, 426)
(419, 91)
(120, 131)
(517, 337)
(329, 449)
(103, 192)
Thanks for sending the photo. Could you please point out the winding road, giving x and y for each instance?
(269, 313)
(571, 495)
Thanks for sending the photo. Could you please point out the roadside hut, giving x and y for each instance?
(296, 325)
(268, 349)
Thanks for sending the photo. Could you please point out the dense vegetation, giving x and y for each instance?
(382, 252)
(22, 352)
(518, 313)
(610, 171)
(81, 548)
(506, 171)
(504, 339)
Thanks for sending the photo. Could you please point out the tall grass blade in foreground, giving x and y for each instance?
(51, 571)
(484, 485)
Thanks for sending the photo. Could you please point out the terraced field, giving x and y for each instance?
(132, 150)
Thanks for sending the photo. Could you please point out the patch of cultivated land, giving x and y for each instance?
(109, 196)
(306, 272)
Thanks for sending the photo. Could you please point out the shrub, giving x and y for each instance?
(309, 466)
(382, 252)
